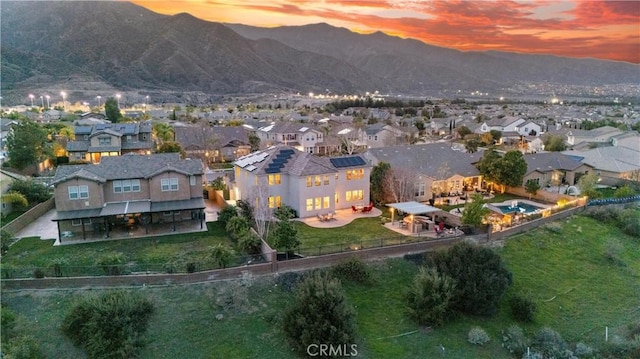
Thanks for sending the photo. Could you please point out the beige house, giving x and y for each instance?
(554, 169)
(309, 184)
(130, 190)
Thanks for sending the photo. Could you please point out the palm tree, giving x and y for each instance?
(162, 132)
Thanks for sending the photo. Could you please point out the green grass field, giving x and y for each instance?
(578, 291)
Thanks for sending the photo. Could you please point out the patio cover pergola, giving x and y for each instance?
(412, 207)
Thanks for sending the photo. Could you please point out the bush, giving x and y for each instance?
(288, 281)
(221, 254)
(514, 341)
(583, 350)
(553, 227)
(38, 273)
(624, 191)
(549, 343)
(246, 211)
(320, 314)
(112, 263)
(57, 265)
(250, 243)
(629, 221)
(353, 269)
(23, 347)
(478, 336)
(226, 214)
(523, 309)
(34, 192)
(237, 227)
(480, 274)
(191, 267)
(110, 326)
(430, 296)
(7, 324)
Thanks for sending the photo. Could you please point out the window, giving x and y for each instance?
(308, 181)
(79, 222)
(326, 180)
(144, 137)
(309, 204)
(318, 181)
(420, 188)
(128, 137)
(337, 197)
(318, 203)
(192, 180)
(337, 176)
(325, 202)
(274, 202)
(355, 195)
(274, 179)
(355, 174)
(169, 184)
(104, 141)
(76, 192)
(120, 186)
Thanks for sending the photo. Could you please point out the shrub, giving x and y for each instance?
(237, 226)
(478, 336)
(110, 326)
(221, 254)
(523, 309)
(34, 192)
(549, 343)
(480, 274)
(57, 265)
(112, 263)
(320, 314)
(629, 221)
(7, 323)
(6, 239)
(514, 341)
(38, 273)
(289, 280)
(249, 243)
(353, 269)
(23, 347)
(583, 350)
(226, 214)
(624, 191)
(553, 227)
(246, 211)
(191, 267)
(430, 296)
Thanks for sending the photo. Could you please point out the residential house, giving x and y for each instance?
(128, 190)
(613, 164)
(303, 137)
(309, 184)
(5, 128)
(382, 135)
(596, 135)
(213, 144)
(434, 168)
(505, 124)
(554, 169)
(112, 139)
(529, 128)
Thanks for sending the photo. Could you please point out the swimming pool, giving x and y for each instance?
(518, 207)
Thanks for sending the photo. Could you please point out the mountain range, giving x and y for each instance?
(92, 46)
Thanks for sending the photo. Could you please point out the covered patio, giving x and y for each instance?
(419, 217)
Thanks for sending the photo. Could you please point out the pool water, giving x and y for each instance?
(521, 208)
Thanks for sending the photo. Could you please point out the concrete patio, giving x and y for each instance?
(341, 217)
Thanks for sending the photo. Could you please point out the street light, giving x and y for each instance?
(146, 103)
(118, 100)
(31, 97)
(42, 101)
(47, 97)
(99, 98)
(64, 97)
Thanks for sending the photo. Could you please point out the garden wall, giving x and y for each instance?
(534, 223)
(541, 195)
(29, 216)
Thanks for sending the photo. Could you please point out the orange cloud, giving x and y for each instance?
(598, 29)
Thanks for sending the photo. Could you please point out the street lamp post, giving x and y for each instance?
(146, 103)
(118, 100)
(42, 101)
(48, 97)
(99, 98)
(64, 99)
(31, 97)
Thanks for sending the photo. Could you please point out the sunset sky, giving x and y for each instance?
(597, 29)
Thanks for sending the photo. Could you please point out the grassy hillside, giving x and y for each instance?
(578, 290)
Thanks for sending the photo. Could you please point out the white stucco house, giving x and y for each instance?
(311, 185)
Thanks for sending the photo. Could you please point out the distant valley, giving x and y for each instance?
(96, 47)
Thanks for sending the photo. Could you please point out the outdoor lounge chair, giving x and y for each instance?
(354, 209)
(320, 217)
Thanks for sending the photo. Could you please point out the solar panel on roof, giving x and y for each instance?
(347, 161)
(272, 170)
(99, 127)
(250, 168)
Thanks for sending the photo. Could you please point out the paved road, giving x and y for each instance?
(42, 227)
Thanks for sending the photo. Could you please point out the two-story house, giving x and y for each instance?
(109, 139)
(213, 144)
(129, 190)
(303, 137)
(309, 184)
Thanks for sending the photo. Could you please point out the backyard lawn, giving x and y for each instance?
(563, 266)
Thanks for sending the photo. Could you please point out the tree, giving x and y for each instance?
(26, 144)
(480, 274)
(171, 147)
(463, 131)
(510, 169)
(34, 192)
(430, 296)
(400, 182)
(554, 143)
(379, 192)
(471, 144)
(163, 132)
(319, 315)
(420, 126)
(487, 164)
(496, 135)
(474, 211)
(254, 141)
(285, 234)
(226, 213)
(531, 187)
(111, 110)
(588, 184)
(15, 198)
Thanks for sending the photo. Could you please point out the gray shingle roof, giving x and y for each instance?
(78, 146)
(130, 166)
(191, 137)
(430, 159)
(544, 162)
